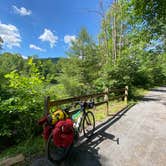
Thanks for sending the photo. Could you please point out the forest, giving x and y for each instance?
(130, 50)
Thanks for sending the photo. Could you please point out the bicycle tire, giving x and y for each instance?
(88, 124)
(55, 154)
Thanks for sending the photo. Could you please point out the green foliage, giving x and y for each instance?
(153, 14)
(10, 62)
(150, 10)
(20, 112)
(24, 83)
(80, 70)
(28, 148)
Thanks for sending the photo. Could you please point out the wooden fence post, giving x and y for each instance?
(46, 112)
(46, 105)
(126, 93)
(106, 99)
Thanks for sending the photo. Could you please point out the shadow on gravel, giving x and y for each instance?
(150, 98)
(103, 126)
(86, 153)
(159, 90)
(42, 162)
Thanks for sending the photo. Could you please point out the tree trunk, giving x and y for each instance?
(114, 33)
(121, 32)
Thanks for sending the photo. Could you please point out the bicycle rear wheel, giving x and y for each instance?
(54, 153)
(88, 124)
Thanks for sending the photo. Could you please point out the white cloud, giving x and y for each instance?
(48, 36)
(22, 11)
(24, 57)
(10, 35)
(32, 46)
(69, 38)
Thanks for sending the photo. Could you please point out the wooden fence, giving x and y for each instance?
(106, 97)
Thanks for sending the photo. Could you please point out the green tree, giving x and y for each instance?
(153, 14)
(24, 106)
(9, 62)
(130, 59)
(82, 67)
(151, 11)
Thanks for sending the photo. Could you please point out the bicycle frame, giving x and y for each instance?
(79, 122)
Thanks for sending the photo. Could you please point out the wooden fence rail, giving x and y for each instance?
(105, 95)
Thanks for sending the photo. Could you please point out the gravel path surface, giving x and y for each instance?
(135, 137)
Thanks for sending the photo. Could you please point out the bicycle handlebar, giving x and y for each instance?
(85, 104)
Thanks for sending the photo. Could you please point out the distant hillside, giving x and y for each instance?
(54, 60)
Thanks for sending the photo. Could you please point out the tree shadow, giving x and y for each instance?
(164, 103)
(159, 89)
(150, 98)
(83, 155)
(41, 162)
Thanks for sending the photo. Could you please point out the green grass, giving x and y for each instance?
(138, 93)
(27, 148)
(114, 107)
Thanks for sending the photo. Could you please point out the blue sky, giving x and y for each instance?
(45, 28)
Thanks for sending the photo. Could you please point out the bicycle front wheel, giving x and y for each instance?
(54, 153)
(88, 124)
